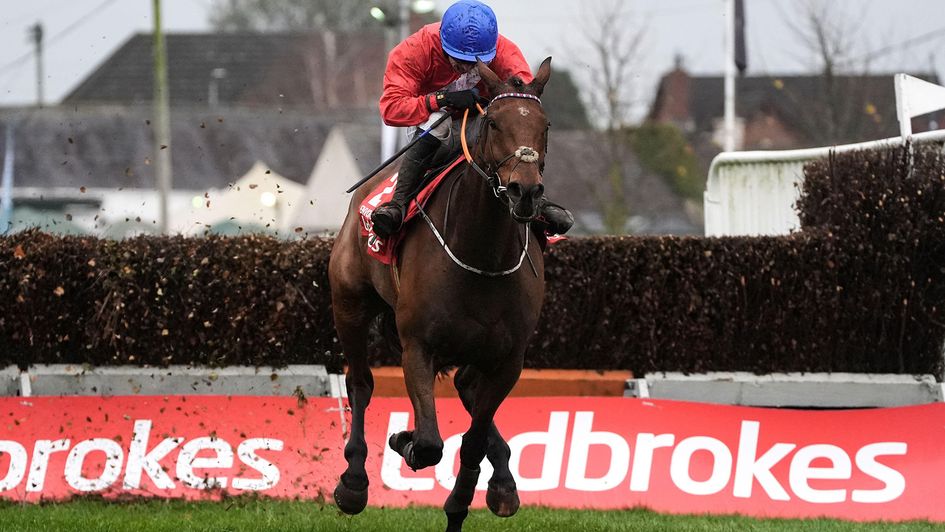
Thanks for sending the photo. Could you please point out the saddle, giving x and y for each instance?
(385, 250)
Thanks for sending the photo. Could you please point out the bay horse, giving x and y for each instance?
(462, 299)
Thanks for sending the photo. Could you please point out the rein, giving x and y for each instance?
(524, 154)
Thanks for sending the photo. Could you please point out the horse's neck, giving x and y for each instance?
(480, 227)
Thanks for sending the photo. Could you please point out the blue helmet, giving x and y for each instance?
(469, 31)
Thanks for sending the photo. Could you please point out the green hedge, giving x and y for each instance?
(164, 300)
(861, 289)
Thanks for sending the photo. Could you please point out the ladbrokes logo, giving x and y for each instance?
(734, 469)
(251, 473)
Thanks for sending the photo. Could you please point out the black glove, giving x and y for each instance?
(458, 100)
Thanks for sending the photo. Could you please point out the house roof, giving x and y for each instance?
(276, 69)
(351, 151)
(112, 147)
(364, 142)
(866, 104)
(245, 202)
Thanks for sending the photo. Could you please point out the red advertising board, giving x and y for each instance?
(575, 452)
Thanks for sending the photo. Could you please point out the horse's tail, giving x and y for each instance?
(383, 340)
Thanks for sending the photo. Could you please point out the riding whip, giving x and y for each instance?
(396, 155)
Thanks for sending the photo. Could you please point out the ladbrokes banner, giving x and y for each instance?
(566, 452)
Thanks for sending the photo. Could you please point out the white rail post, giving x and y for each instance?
(729, 121)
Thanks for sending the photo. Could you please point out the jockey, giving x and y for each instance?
(432, 73)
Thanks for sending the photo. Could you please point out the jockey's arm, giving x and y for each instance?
(402, 102)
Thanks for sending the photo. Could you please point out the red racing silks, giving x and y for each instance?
(567, 452)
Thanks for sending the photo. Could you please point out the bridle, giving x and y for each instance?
(524, 154)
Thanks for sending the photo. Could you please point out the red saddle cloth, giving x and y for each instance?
(385, 250)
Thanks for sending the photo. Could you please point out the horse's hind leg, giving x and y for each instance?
(353, 312)
(502, 495)
(490, 392)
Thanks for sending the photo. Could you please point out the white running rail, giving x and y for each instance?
(754, 192)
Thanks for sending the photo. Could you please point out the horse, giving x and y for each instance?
(460, 298)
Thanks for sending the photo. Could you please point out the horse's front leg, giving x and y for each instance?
(422, 447)
(502, 495)
(492, 389)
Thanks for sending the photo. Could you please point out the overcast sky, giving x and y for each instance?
(81, 34)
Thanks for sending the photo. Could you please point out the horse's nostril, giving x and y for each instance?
(538, 191)
(515, 190)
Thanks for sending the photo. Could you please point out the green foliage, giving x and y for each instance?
(562, 102)
(663, 150)
(860, 288)
(614, 203)
(165, 300)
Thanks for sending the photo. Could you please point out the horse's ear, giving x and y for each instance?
(544, 72)
(488, 76)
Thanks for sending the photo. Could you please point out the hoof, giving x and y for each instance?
(421, 457)
(454, 520)
(400, 440)
(348, 500)
(502, 500)
(415, 456)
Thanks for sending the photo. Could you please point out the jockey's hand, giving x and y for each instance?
(458, 100)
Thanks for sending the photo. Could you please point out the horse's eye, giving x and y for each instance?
(492, 124)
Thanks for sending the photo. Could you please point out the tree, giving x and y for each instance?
(839, 110)
(614, 48)
(664, 150)
(341, 31)
(291, 15)
(613, 45)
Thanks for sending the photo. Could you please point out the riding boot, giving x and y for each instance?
(557, 219)
(388, 217)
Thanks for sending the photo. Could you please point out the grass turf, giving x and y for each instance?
(270, 515)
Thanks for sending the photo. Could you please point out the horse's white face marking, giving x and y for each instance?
(523, 111)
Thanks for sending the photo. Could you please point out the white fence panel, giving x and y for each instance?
(754, 193)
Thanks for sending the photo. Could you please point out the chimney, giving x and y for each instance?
(673, 100)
